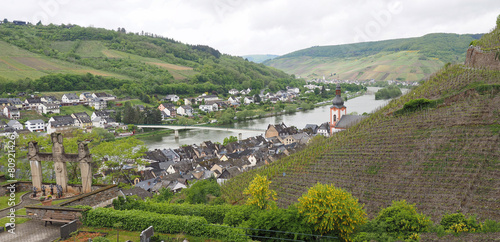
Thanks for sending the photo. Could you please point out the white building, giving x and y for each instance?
(36, 125)
(70, 98)
(48, 108)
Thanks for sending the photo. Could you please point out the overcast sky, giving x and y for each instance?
(242, 27)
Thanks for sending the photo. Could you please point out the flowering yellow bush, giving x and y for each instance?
(331, 209)
(260, 194)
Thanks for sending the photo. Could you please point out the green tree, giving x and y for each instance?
(229, 139)
(331, 210)
(164, 195)
(118, 152)
(261, 195)
(201, 191)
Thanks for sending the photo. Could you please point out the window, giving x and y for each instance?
(335, 118)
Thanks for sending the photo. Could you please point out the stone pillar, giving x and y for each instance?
(85, 168)
(240, 136)
(176, 132)
(61, 174)
(36, 174)
(59, 162)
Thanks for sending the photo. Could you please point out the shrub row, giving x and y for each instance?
(136, 220)
(213, 214)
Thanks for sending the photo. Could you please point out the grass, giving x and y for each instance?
(16, 63)
(5, 220)
(4, 200)
(137, 102)
(68, 110)
(134, 235)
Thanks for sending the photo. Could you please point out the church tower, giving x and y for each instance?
(337, 109)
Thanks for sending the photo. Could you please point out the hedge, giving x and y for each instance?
(213, 214)
(137, 220)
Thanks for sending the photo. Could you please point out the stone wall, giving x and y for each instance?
(479, 59)
(37, 212)
(95, 198)
(22, 186)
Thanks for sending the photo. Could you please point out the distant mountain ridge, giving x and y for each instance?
(409, 59)
(259, 58)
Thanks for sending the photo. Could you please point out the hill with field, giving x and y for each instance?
(411, 59)
(143, 63)
(437, 147)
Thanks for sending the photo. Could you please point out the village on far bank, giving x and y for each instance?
(174, 168)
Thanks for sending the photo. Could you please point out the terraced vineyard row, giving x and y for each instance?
(443, 159)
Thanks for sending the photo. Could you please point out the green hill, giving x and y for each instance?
(410, 59)
(437, 146)
(154, 64)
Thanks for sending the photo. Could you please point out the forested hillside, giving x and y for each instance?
(155, 64)
(410, 59)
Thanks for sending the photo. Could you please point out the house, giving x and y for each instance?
(164, 106)
(11, 112)
(32, 103)
(49, 108)
(104, 122)
(49, 99)
(209, 108)
(16, 102)
(70, 98)
(324, 129)
(232, 99)
(15, 125)
(233, 92)
(230, 172)
(294, 90)
(60, 123)
(312, 128)
(168, 110)
(189, 101)
(171, 98)
(248, 100)
(82, 120)
(102, 114)
(17, 22)
(299, 138)
(86, 96)
(245, 91)
(279, 130)
(206, 98)
(4, 102)
(104, 96)
(139, 107)
(36, 125)
(185, 110)
(171, 155)
(98, 103)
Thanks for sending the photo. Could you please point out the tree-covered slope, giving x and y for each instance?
(378, 60)
(157, 64)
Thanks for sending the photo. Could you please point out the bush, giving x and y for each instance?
(213, 214)
(331, 210)
(238, 214)
(198, 192)
(415, 105)
(260, 194)
(457, 223)
(266, 223)
(136, 220)
(402, 220)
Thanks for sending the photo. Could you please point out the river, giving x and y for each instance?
(360, 105)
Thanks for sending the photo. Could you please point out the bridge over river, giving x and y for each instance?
(176, 128)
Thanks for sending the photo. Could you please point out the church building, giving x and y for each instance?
(337, 110)
(338, 119)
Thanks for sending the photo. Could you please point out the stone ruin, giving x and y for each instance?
(59, 157)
